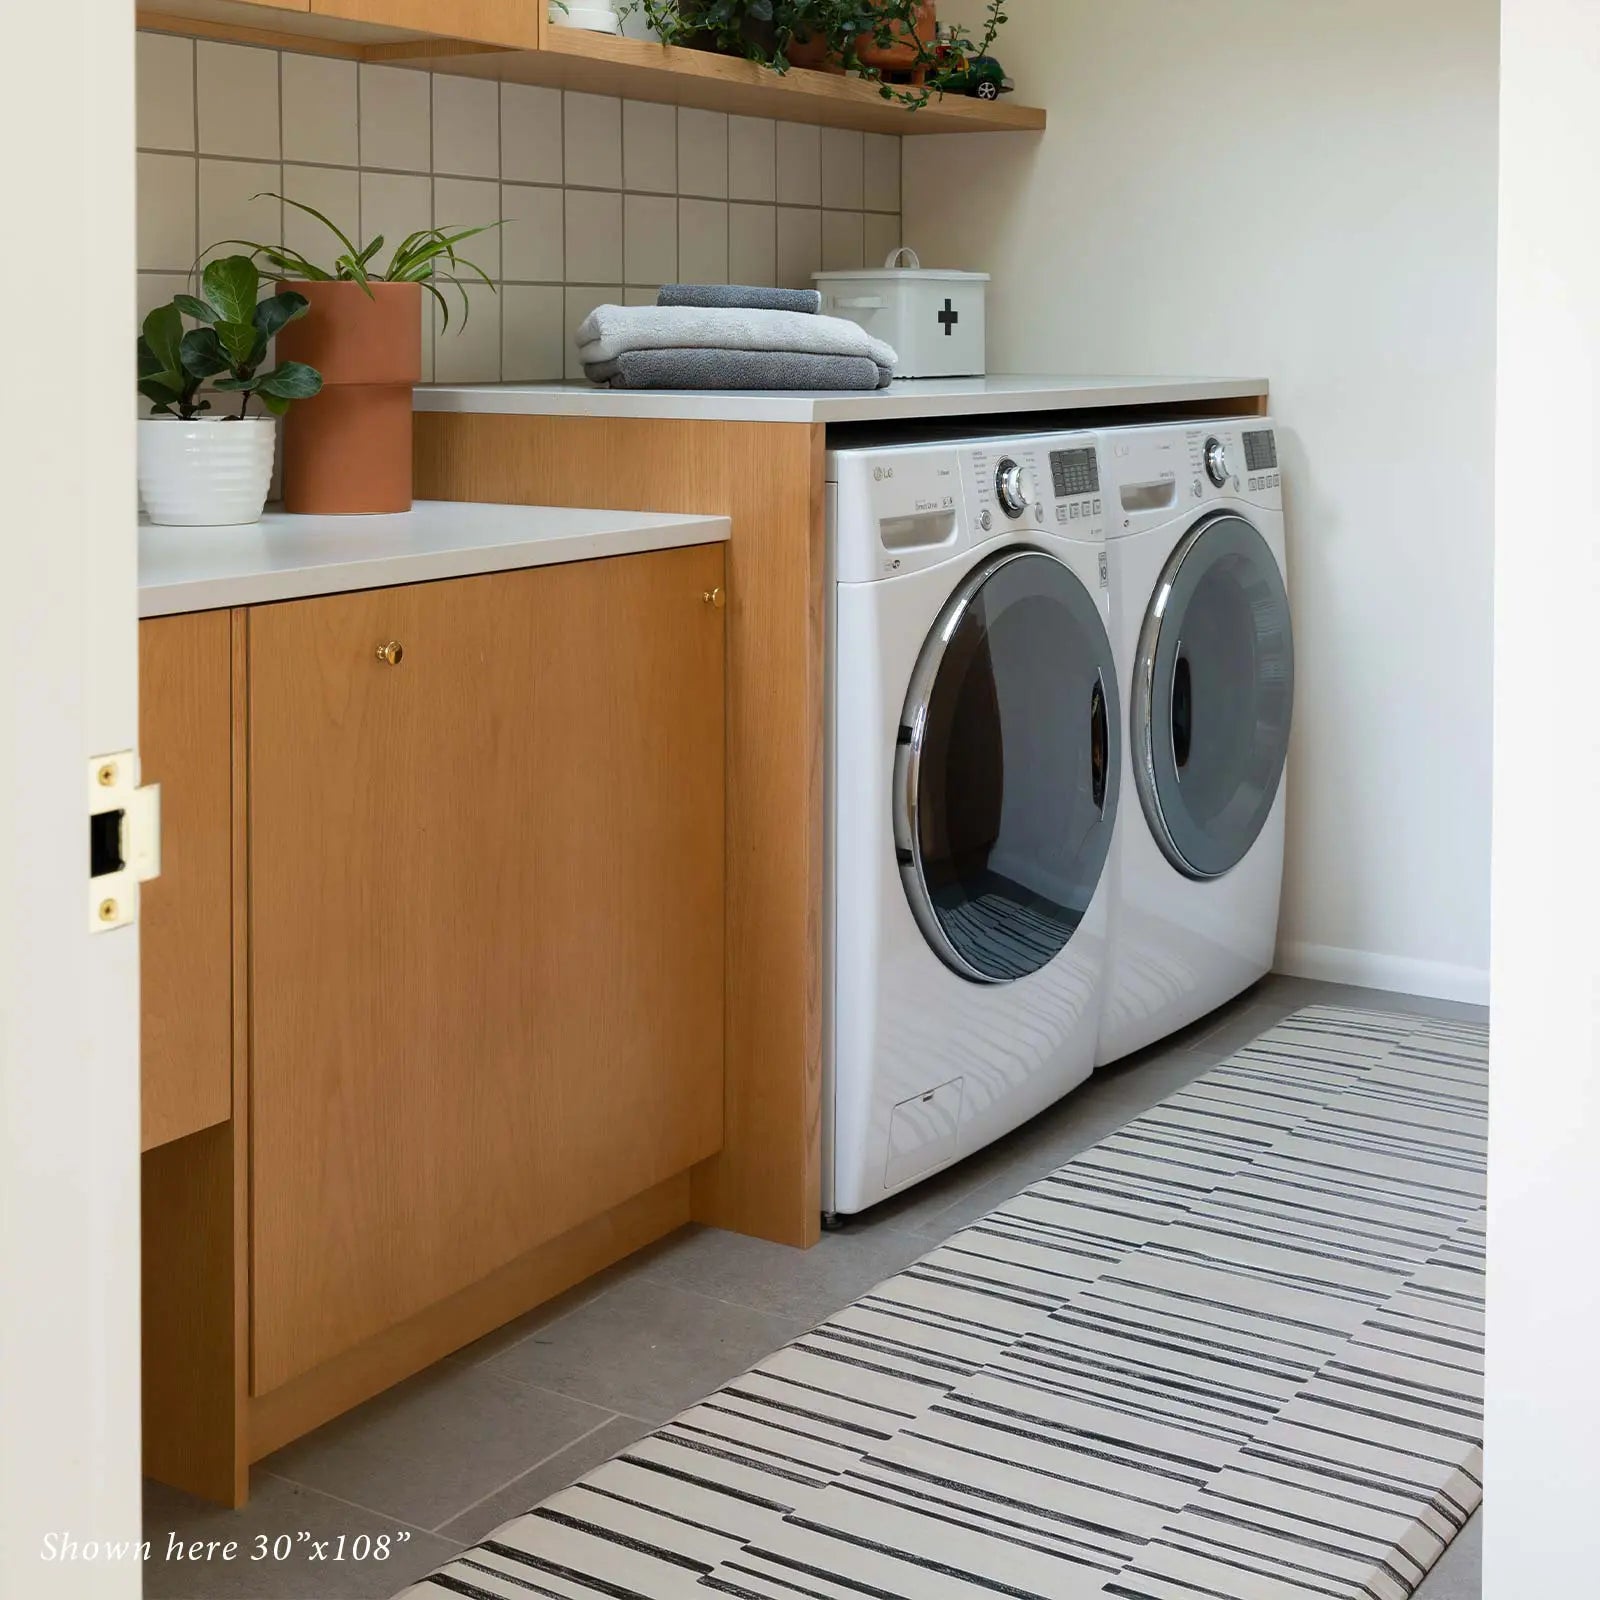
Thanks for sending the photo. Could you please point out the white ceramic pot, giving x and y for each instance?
(599, 16)
(208, 473)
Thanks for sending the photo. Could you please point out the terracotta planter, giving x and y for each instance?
(813, 54)
(348, 450)
(901, 57)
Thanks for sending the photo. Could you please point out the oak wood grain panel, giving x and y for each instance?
(544, 1272)
(487, 935)
(768, 477)
(513, 23)
(637, 69)
(193, 1420)
(186, 914)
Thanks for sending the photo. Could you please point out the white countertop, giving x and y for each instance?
(288, 558)
(916, 397)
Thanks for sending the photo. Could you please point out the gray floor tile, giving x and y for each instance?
(645, 1348)
(808, 1286)
(276, 1508)
(546, 1479)
(433, 1446)
(1458, 1573)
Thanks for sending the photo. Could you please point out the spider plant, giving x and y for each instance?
(427, 257)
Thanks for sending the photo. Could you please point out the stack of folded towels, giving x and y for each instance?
(730, 337)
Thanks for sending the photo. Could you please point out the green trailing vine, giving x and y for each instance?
(762, 31)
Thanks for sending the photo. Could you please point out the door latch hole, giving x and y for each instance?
(105, 843)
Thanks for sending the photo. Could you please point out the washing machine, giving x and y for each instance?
(1205, 658)
(973, 760)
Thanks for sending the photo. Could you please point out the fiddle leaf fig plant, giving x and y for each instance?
(229, 345)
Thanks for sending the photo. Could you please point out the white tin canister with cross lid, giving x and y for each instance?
(934, 319)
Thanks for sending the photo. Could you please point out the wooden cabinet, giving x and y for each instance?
(457, 920)
(486, 903)
(185, 713)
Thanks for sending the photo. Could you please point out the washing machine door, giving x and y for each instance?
(1213, 692)
(1007, 767)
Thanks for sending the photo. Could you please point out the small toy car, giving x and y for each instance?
(979, 76)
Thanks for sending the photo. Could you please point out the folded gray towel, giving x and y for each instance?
(610, 331)
(738, 369)
(740, 296)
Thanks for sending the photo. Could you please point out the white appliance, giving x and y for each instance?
(1205, 660)
(973, 753)
(933, 318)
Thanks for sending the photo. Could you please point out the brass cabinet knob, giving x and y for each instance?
(392, 653)
(715, 597)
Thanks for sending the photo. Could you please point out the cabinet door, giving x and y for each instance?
(186, 917)
(487, 912)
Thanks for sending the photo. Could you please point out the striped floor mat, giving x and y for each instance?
(1233, 1351)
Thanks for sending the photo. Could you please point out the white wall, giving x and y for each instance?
(1303, 191)
(1543, 1412)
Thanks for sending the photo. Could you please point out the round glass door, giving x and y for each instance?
(1213, 695)
(1006, 773)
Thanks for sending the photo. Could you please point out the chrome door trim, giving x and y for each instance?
(909, 751)
(1141, 711)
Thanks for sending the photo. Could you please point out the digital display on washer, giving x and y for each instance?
(1260, 451)
(1075, 472)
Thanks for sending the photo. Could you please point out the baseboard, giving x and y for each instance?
(1370, 969)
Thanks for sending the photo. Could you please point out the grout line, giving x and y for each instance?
(571, 1444)
(339, 1499)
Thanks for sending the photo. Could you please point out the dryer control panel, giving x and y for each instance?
(904, 508)
(1165, 470)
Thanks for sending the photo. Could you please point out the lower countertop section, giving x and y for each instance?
(285, 557)
(996, 396)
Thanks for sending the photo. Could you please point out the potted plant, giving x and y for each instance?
(349, 451)
(206, 470)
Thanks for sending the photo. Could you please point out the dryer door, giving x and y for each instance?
(1213, 691)
(1006, 772)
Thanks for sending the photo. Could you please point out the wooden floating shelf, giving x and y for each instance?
(573, 58)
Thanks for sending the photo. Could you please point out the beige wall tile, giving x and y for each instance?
(799, 247)
(842, 246)
(882, 235)
(319, 110)
(336, 193)
(533, 245)
(471, 203)
(396, 118)
(799, 164)
(235, 203)
(533, 334)
(164, 83)
(152, 289)
(882, 172)
(237, 87)
(394, 204)
(752, 158)
(166, 232)
(530, 134)
(468, 350)
(650, 239)
(594, 237)
(752, 244)
(592, 140)
(641, 294)
(702, 153)
(466, 127)
(649, 147)
(842, 163)
(703, 241)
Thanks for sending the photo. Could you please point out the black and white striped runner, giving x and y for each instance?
(1233, 1352)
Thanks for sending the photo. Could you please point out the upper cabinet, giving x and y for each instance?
(511, 40)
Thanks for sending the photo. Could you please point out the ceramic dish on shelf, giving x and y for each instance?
(598, 17)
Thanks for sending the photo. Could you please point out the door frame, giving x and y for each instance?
(69, 997)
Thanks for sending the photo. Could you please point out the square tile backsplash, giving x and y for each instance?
(604, 199)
